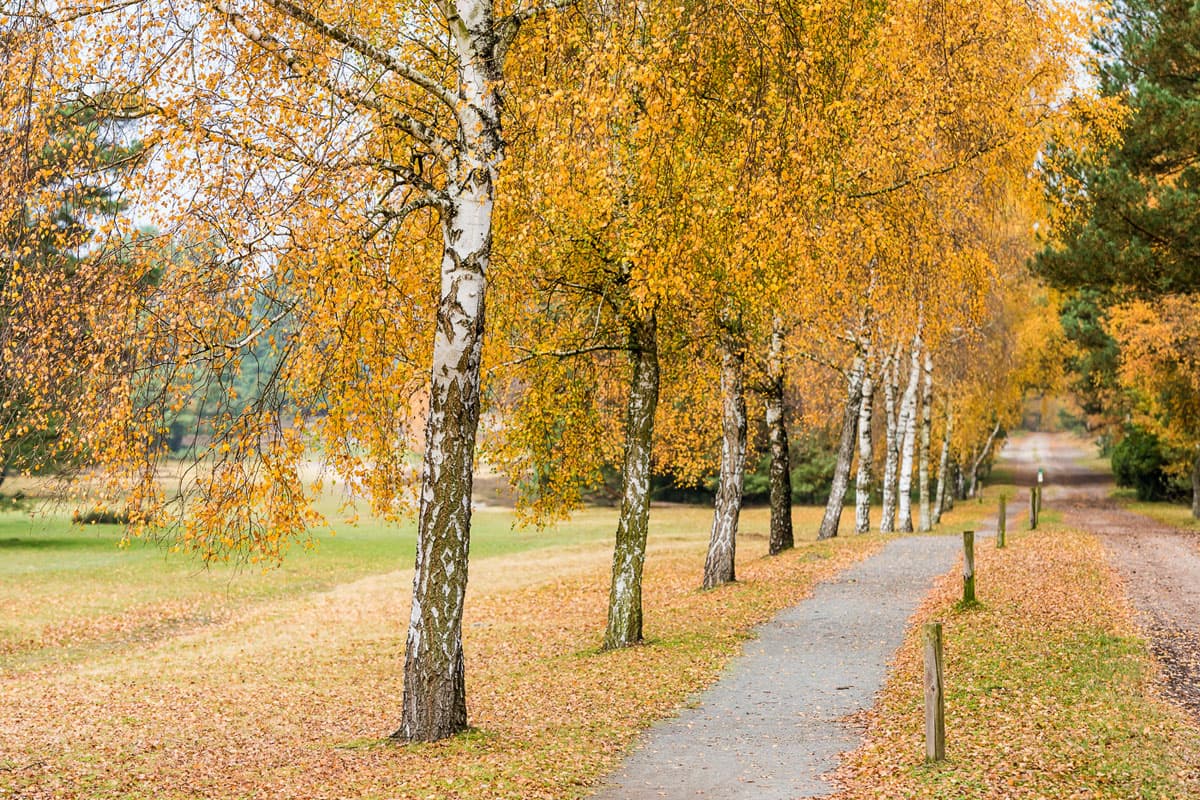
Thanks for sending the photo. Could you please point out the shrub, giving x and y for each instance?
(1139, 461)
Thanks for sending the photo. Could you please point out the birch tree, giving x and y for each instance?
(866, 454)
(926, 438)
(907, 425)
(943, 475)
(719, 564)
(321, 141)
(892, 435)
(781, 536)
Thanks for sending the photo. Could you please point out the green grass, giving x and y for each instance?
(74, 588)
(1049, 690)
(1177, 515)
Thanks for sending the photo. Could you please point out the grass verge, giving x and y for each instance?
(1177, 515)
(1049, 690)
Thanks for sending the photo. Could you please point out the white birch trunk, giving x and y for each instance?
(891, 442)
(908, 436)
(939, 505)
(983, 454)
(434, 704)
(832, 519)
(629, 554)
(925, 514)
(722, 542)
(782, 537)
(866, 458)
(961, 477)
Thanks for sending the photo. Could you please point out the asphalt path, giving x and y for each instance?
(777, 720)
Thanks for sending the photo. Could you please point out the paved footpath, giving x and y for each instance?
(773, 724)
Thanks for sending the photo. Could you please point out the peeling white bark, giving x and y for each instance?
(926, 517)
(908, 434)
(891, 441)
(939, 505)
(831, 521)
(629, 553)
(979, 459)
(722, 542)
(866, 458)
(782, 537)
(434, 704)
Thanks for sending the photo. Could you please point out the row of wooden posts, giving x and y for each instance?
(935, 709)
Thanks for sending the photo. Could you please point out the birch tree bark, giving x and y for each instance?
(925, 516)
(782, 537)
(845, 454)
(629, 554)
(979, 459)
(866, 457)
(434, 704)
(891, 441)
(908, 428)
(722, 542)
(961, 477)
(939, 505)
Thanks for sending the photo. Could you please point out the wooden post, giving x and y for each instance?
(935, 709)
(968, 567)
(1001, 521)
(1033, 515)
(1041, 479)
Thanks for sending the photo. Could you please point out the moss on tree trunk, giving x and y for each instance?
(629, 554)
(782, 537)
(722, 542)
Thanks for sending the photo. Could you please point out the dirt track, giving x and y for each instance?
(1160, 565)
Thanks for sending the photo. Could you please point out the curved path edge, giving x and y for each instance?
(776, 721)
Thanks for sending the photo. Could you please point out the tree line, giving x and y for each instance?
(1123, 183)
(673, 225)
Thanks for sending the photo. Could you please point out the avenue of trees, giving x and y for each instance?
(1126, 190)
(566, 238)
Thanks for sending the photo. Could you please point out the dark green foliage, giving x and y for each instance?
(757, 485)
(1137, 229)
(102, 516)
(80, 164)
(1094, 366)
(228, 387)
(813, 460)
(1131, 221)
(1139, 462)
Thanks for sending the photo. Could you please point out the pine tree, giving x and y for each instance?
(1134, 204)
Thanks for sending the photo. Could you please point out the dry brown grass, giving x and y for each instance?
(289, 696)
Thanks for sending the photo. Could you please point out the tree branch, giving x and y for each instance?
(360, 46)
(599, 348)
(962, 162)
(276, 47)
(507, 27)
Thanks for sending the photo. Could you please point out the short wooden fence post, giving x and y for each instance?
(935, 709)
(968, 567)
(1033, 508)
